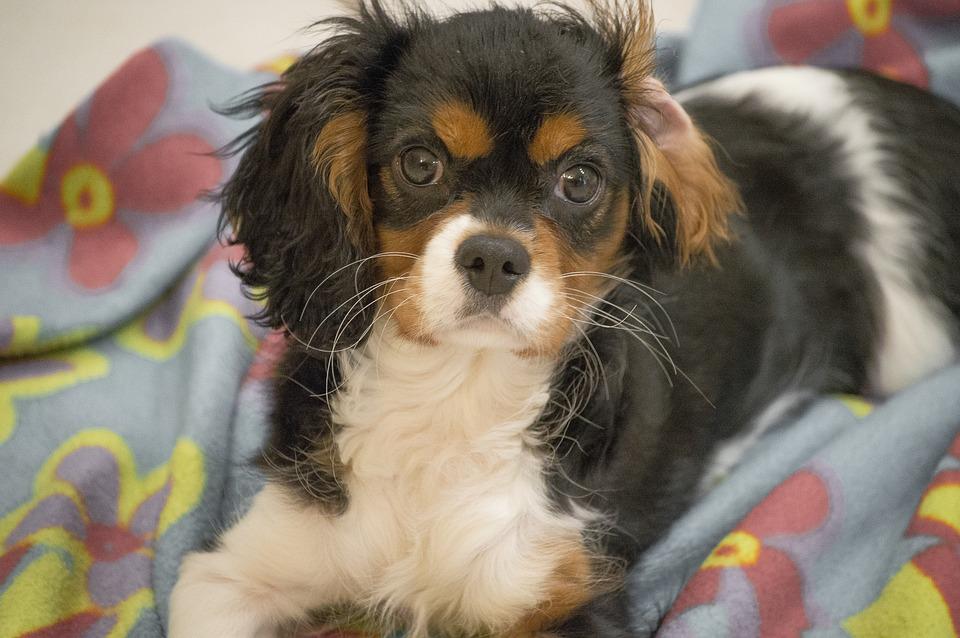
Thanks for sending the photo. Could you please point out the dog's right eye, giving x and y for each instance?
(419, 166)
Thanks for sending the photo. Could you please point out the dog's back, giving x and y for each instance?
(852, 193)
(841, 278)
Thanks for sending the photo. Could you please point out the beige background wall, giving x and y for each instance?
(53, 52)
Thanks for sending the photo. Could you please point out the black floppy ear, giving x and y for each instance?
(299, 201)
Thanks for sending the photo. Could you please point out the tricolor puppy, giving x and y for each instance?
(529, 314)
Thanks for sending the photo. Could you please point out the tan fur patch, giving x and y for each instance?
(558, 262)
(465, 132)
(703, 197)
(401, 296)
(557, 134)
(638, 53)
(607, 253)
(572, 585)
(340, 157)
(389, 184)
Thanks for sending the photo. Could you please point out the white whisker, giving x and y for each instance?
(358, 263)
(643, 289)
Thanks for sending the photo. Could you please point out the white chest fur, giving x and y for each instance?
(448, 521)
(448, 510)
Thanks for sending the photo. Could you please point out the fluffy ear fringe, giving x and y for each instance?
(340, 158)
(299, 200)
(702, 197)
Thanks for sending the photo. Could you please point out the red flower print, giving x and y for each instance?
(801, 29)
(96, 169)
(797, 507)
(938, 514)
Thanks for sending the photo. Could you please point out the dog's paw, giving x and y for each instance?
(207, 603)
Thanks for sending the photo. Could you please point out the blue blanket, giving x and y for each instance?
(133, 391)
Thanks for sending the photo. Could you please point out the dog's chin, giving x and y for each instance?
(481, 332)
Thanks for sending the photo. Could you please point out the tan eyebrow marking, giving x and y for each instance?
(464, 131)
(557, 134)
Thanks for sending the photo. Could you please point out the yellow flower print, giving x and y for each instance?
(161, 332)
(88, 536)
(41, 375)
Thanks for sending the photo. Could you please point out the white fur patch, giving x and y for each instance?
(532, 304)
(272, 567)
(444, 291)
(448, 514)
(447, 482)
(916, 338)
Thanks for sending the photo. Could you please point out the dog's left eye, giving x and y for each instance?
(579, 184)
(419, 166)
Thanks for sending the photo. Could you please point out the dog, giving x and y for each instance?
(534, 303)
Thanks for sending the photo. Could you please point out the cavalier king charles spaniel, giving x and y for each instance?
(535, 304)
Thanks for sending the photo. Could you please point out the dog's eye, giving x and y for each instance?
(579, 184)
(420, 167)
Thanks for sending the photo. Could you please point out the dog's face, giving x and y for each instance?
(478, 180)
(500, 159)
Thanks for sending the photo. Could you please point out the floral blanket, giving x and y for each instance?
(130, 380)
(133, 390)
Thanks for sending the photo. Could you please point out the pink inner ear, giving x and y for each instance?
(662, 117)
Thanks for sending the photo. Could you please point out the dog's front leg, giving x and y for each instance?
(277, 563)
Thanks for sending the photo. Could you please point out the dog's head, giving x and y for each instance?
(474, 179)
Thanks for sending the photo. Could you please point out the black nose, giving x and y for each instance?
(493, 265)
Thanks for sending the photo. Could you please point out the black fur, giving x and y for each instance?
(299, 253)
(300, 259)
(790, 307)
(294, 230)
